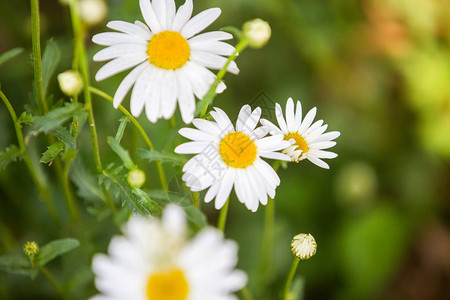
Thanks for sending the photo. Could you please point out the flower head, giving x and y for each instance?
(31, 249)
(303, 245)
(155, 260)
(309, 141)
(171, 60)
(257, 32)
(230, 156)
(70, 82)
(92, 12)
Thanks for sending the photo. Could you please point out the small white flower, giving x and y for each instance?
(303, 245)
(92, 12)
(309, 140)
(154, 260)
(171, 60)
(227, 156)
(70, 82)
(257, 32)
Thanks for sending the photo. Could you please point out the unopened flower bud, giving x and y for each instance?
(31, 249)
(70, 82)
(136, 178)
(303, 245)
(92, 12)
(257, 32)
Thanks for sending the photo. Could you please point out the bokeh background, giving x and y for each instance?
(377, 70)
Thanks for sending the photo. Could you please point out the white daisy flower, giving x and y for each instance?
(169, 57)
(154, 260)
(229, 156)
(309, 140)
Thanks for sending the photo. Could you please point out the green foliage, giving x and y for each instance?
(86, 183)
(10, 54)
(164, 157)
(50, 60)
(12, 153)
(57, 116)
(297, 289)
(62, 134)
(52, 152)
(17, 264)
(54, 249)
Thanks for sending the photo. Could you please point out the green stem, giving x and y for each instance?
(37, 63)
(42, 189)
(246, 293)
(223, 216)
(287, 287)
(209, 97)
(73, 208)
(196, 199)
(141, 130)
(53, 281)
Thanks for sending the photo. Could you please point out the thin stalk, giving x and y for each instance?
(73, 208)
(196, 199)
(37, 61)
(53, 281)
(223, 216)
(287, 287)
(246, 293)
(42, 189)
(212, 90)
(162, 176)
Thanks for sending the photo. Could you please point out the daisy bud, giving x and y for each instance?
(31, 249)
(92, 12)
(257, 32)
(303, 245)
(70, 82)
(136, 178)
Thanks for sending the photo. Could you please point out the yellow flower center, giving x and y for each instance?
(237, 150)
(168, 50)
(170, 285)
(299, 141)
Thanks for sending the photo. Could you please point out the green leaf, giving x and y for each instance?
(163, 157)
(122, 153)
(193, 214)
(87, 184)
(12, 153)
(56, 117)
(10, 54)
(51, 152)
(205, 102)
(62, 134)
(114, 180)
(17, 264)
(50, 61)
(121, 129)
(26, 118)
(54, 249)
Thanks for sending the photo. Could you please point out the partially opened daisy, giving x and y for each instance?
(229, 156)
(155, 260)
(310, 140)
(170, 60)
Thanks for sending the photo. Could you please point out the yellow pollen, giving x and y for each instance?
(171, 285)
(237, 150)
(168, 50)
(299, 141)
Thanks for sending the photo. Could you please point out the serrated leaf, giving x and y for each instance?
(193, 214)
(62, 134)
(12, 153)
(50, 61)
(115, 180)
(163, 157)
(52, 152)
(10, 54)
(56, 117)
(87, 184)
(54, 249)
(17, 264)
(122, 153)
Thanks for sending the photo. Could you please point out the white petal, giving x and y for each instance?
(298, 115)
(159, 6)
(212, 36)
(329, 136)
(224, 189)
(318, 162)
(143, 26)
(149, 15)
(213, 61)
(141, 90)
(219, 48)
(169, 94)
(243, 115)
(252, 120)
(185, 97)
(322, 145)
(309, 118)
(127, 83)
(182, 16)
(290, 119)
(174, 220)
(272, 128)
(212, 192)
(201, 78)
(153, 103)
(276, 156)
(113, 38)
(118, 50)
(207, 126)
(197, 135)
(118, 65)
(280, 119)
(200, 22)
(192, 147)
(322, 154)
(129, 28)
(222, 120)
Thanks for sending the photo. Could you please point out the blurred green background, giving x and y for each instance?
(377, 70)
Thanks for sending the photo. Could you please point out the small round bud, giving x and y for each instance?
(92, 12)
(31, 249)
(70, 82)
(136, 178)
(257, 32)
(303, 245)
